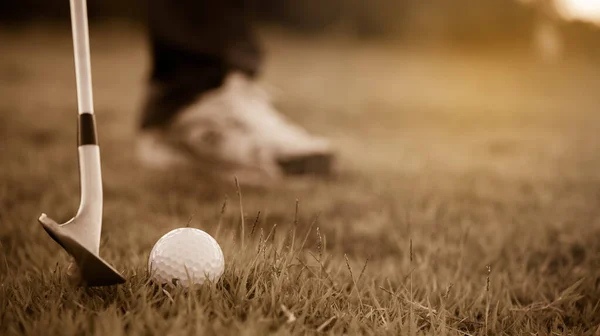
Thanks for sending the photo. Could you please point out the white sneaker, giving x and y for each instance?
(235, 131)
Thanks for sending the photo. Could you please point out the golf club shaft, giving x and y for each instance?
(81, 46)
(89, 215)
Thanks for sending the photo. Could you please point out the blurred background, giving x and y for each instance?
(555, 28)
(507, 85)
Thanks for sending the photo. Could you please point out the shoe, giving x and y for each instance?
(235, 131)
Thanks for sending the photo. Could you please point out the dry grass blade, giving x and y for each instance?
(260, 241)
(312, 224)
(220, 221)
(305, 266)
(189, 222)
(362, 272)
(168, 295)
(255, 223)
(411, 326)
(566, 295)
(272, 232)
(447, 293)
(323, 269)
(295, 226)
(428, 309)
(355, 287)
(238, 190)
(415, 304)
(326, 323)
(487, 298)
(319, 243)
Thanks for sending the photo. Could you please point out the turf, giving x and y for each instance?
(467, 201)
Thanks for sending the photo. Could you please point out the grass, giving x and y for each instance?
(466, 204)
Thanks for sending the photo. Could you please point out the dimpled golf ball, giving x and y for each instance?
(186, 256)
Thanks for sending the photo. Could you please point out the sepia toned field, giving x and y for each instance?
(466, 203)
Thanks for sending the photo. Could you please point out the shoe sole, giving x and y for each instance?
(313, 164)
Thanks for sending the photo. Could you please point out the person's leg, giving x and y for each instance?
(205, 110)
(194, 45)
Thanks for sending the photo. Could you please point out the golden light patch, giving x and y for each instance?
(582, 9)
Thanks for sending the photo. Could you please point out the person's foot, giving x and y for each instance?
(235, 131)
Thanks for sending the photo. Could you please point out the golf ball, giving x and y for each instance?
(186, 256)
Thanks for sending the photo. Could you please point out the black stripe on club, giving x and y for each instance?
(87, 130)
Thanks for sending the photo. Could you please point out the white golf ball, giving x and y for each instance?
(186, 256)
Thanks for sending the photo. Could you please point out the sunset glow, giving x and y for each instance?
(582, 9)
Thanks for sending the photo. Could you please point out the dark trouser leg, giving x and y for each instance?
(194, 44)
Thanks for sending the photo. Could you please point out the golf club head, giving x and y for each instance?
(94, 271)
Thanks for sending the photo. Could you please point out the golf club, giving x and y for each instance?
(80, 236)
